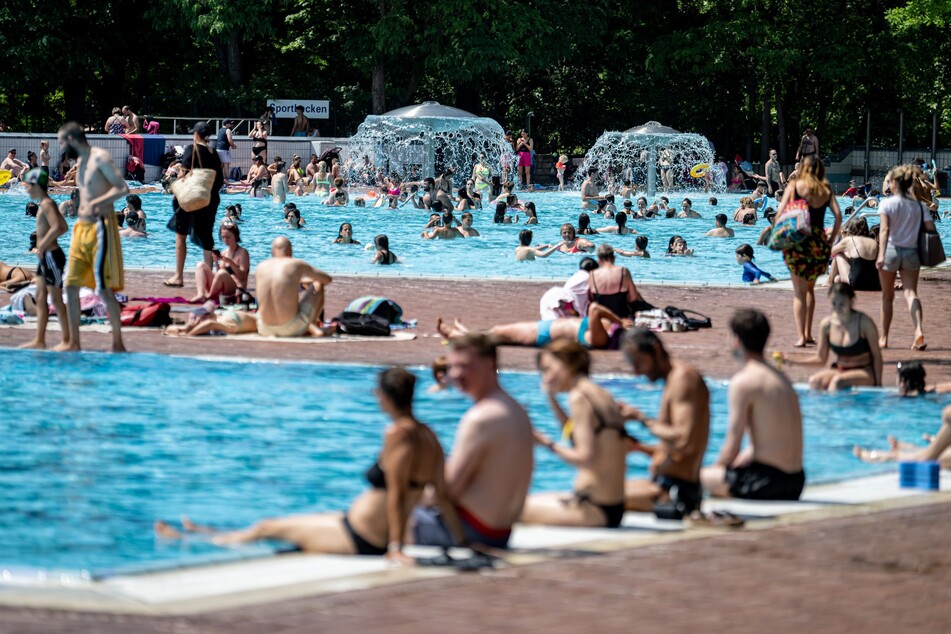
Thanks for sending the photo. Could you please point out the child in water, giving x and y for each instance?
(751, 272)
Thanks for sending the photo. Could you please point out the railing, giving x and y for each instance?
(181, 125)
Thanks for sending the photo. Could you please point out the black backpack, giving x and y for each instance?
(235, 173)
(693, 323)
(360, 324)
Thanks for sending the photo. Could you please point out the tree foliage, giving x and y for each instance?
(749, 74)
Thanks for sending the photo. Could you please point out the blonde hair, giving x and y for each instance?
(812, 174)
(903, 176)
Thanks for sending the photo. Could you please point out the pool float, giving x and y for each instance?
(371, 193)
(5, 175)
(699, 170)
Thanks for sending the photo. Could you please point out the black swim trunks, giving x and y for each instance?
(51, 268)
(760, 481)
(363, 546)
(684, 497)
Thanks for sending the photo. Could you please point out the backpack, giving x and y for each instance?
(360, 324)
(154, 315)
(235, 173)
(693, 323)
(380, 306)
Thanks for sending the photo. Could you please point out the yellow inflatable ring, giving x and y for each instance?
(699, 170)
(371, 193)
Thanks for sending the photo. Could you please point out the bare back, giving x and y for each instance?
(278, 283)
(684, 406)
(97, 175)
(770, 407)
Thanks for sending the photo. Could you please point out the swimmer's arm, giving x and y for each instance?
(627, 254)
(396, 460)
(544, 253)
(428, 236)
(612, 229)
(468, 453)
(739, 408)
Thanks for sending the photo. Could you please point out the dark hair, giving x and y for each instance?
(912, 374)
(464, 194)
(382, 242)
(745, 250)
(689, 202)
(588, 263)
(233, 228)
(466, 214)
(75, 131)
(609, 198)
(640, 339)
(640, 198)
(499, 213)
(440, 366)
(641, 242)
(134, 201)
(584, 221)
(842, 288)
(752, 329)
(530, 207)
(525, 237)
(670, 243)
(447, 218)
(749, 218)
(620, 219)
(713, 201)
(342, 225)
(592, 171)
(398, 385)
(857, 226)
(721, 219)
(482, 344)
(32, 209)
(569, 352)
(436, 206)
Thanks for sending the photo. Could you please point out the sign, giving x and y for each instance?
(287, 108)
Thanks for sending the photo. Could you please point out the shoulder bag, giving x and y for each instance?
(930, 249)
(792, 226)
(193, 190)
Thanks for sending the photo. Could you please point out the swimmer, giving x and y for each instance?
(751, 272)
(678, 246)
(572, 244)
(620, 228)
(627, 190)
(584, 226)
(937, 450)
(466, 228)
(441, 380)
(687, 210)
(525, 252)
(720, 230)
(500, 218)
(444, 232)
(383, 254)
(345, 234)
(292, 218)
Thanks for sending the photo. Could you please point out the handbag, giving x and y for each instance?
(792, 226)
(930, 249)
(193, 190)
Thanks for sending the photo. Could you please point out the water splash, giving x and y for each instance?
(653, 157)
(421, 141)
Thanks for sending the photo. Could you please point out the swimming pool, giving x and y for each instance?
(97, 447)
(489, 256)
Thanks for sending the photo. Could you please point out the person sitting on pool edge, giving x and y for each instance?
(601, 329)
(411, 460)
(938, 448)
(489, 469)
(284, 310)
(763, 404)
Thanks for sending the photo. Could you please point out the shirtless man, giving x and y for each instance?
(774, 174)
(284, 310)
(808, 146)
(720, 230)
(590, 193)
(311, 170)
(12, 163)
(445, 231)
(762, 403)
(489, 469)
(131, 121)
(466, 228)
(682, 426)
(95, 249)
(526, 252)
(301, 123)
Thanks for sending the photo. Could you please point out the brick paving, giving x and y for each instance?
(882, 572)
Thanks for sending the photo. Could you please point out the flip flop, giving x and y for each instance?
(919, 344)
(716, 519)
(172, 284)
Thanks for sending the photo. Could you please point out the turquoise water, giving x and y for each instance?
(489, 256)
(97, 447)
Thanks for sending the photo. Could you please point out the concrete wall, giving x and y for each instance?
(118, 148)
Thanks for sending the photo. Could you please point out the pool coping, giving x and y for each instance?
(294, 575)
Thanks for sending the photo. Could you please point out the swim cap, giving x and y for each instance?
(36, 176)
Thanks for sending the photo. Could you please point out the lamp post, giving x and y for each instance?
(901, 136)
(868, 140)
(528, 122)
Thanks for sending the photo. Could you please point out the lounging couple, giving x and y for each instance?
(290, 301)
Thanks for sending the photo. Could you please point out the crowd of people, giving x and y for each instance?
(478, 493)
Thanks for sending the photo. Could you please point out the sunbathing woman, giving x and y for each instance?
(853, 338)
(233, 267)
(598, 438)
(375, 524)
(938, 449)
(14, 277)
(601, 330)
(203, 320)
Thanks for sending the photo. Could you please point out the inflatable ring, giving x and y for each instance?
(371, 193)
(699, 170)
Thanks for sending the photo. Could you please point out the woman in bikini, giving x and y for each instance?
(258, 138)
(573, 244)
(809, 259)
(233, 267)
(14, 277)
(480, 176)
(598, 444)
(411, 459)
(322, 180)
(853, 339)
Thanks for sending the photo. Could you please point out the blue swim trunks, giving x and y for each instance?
(543, 338)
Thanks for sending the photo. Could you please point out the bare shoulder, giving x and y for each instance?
(685, 380)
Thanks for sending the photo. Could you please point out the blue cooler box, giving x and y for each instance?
(919, 475)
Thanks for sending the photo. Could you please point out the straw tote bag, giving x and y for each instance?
(930, 249)
(193, 190)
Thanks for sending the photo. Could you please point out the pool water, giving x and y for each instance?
(489, 256)
(97, 447)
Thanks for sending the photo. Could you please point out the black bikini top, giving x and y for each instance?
(377, 477)
(859, 347)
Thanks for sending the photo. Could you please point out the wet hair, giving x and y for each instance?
(769, 214)
(584, 221)
(620, 219)
(499, 213)
(133, 200)
(665, 199)
(359, 202)
(382, 242)
(398, 385)
(752, 329)
(525, 237)
(670, 243)
(745, 250)
(32, 240)
(689, 202)
(721, 219)
(749, 219)
(440, 366)
(466, 215)
(464, 194)
(842, 288)
(132, 219)
(436, 206)
(588, 263)
(569, 352)
(609, 198)
(120, 218)
(340, 230)
(640, 198)
(912, 374)
(640, 339)
(713, 201)
(447, 218)
(530, 209)
(32, 209)
(566, 226)
(903, 176)
(482, 344)
(641, 242)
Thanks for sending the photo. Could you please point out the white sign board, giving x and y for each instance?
(287, 108)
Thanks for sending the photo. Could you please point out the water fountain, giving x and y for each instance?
(423, 140)
(636, 155)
